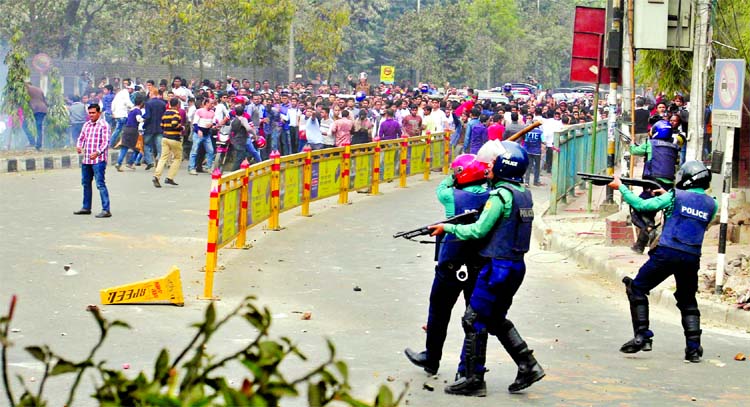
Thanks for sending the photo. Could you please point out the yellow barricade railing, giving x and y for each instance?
(247, 197)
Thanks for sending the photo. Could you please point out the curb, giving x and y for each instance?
(593, 259)
(44, 163)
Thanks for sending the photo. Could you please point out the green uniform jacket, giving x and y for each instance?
(445, 194)
(662, 202)
(498, 206)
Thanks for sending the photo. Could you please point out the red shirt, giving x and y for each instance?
(495, 132)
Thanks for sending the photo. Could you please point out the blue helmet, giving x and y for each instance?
(511, 164)
(360, 96)
(507, 87)
(661, 130)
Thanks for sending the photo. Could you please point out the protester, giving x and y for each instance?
(93, 144)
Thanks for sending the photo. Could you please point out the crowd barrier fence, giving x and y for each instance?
(261, 192)
(573, 147)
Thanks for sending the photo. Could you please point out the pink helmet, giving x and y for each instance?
(260, 142)
(468, 170)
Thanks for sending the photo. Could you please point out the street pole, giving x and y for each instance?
(629, 89)
(724, 216)
(698, 81)
(416, 71)
(291, 52)
(614, 52)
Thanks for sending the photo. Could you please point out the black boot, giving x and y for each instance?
(474, 353)
(691, 323)
(420, 359)
(641, 242)
(639, 318)
(529, 370)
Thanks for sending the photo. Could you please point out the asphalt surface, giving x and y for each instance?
(574, 319)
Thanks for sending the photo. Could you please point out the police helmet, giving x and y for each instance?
(693, 174)
(511, 165)
(507, 87)
(467, 170)
(360, 96)
(661, 130)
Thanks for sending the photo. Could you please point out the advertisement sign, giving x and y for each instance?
(387, 74)
(588, 46)
(260, 199)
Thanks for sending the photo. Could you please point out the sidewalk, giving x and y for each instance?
(581, 236)
(44, 160)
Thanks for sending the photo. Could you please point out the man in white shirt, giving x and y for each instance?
(121, 105)
(438, 117)
(549, 128)
(181, 92)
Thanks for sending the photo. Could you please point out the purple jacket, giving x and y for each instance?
(389, 130)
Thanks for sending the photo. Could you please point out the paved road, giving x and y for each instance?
(574, 320)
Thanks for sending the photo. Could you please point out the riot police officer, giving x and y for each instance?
(506, 221)
(462, 191)
(661, 156)
(688, 212)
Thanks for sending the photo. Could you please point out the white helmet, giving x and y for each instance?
(363, 75)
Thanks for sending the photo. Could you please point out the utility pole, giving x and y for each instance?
(613, 61)
(291, 52)
(628, 83)
(416, 71)
(698, 81)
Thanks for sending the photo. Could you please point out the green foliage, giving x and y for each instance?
(320, 34)
(57, 120)
(16, 101)
(192, 378)
(669, 71)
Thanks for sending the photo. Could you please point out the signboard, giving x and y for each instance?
(387, 74)
(588, 44)
(729, 81)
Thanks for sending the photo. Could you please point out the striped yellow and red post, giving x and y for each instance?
(446, 151)
(244, 197)
(376, 168)
(428, 156)
(404, 159)
(213, 234)
(345, 166)
(273, 221)
(306, 181)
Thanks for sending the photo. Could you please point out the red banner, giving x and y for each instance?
(588, 46)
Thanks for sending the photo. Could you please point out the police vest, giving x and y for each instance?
(451, 248)
(510, 238)
(686, 226)
(663, 159)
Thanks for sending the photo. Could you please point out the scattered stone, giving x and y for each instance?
(356, 288)
(377, 267)
(390, 378)
(66, 267)
(693, 399)
(63, 334)
(739, 357)
(32, 379)
(15, 330)
(126, 366)
(306, 315)
(428, 387)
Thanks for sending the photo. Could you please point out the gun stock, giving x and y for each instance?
(606, 179)
(466, 217)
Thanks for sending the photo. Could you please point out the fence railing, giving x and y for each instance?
(574, 146)
(260, 192)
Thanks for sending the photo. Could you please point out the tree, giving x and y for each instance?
(57, 121)
(16, 102)
(319, 31)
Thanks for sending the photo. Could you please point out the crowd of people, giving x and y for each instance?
(256, 118)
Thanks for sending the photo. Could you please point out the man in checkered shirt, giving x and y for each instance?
(93, 143)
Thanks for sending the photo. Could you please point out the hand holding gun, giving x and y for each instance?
(437, 228)
(614, 182)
